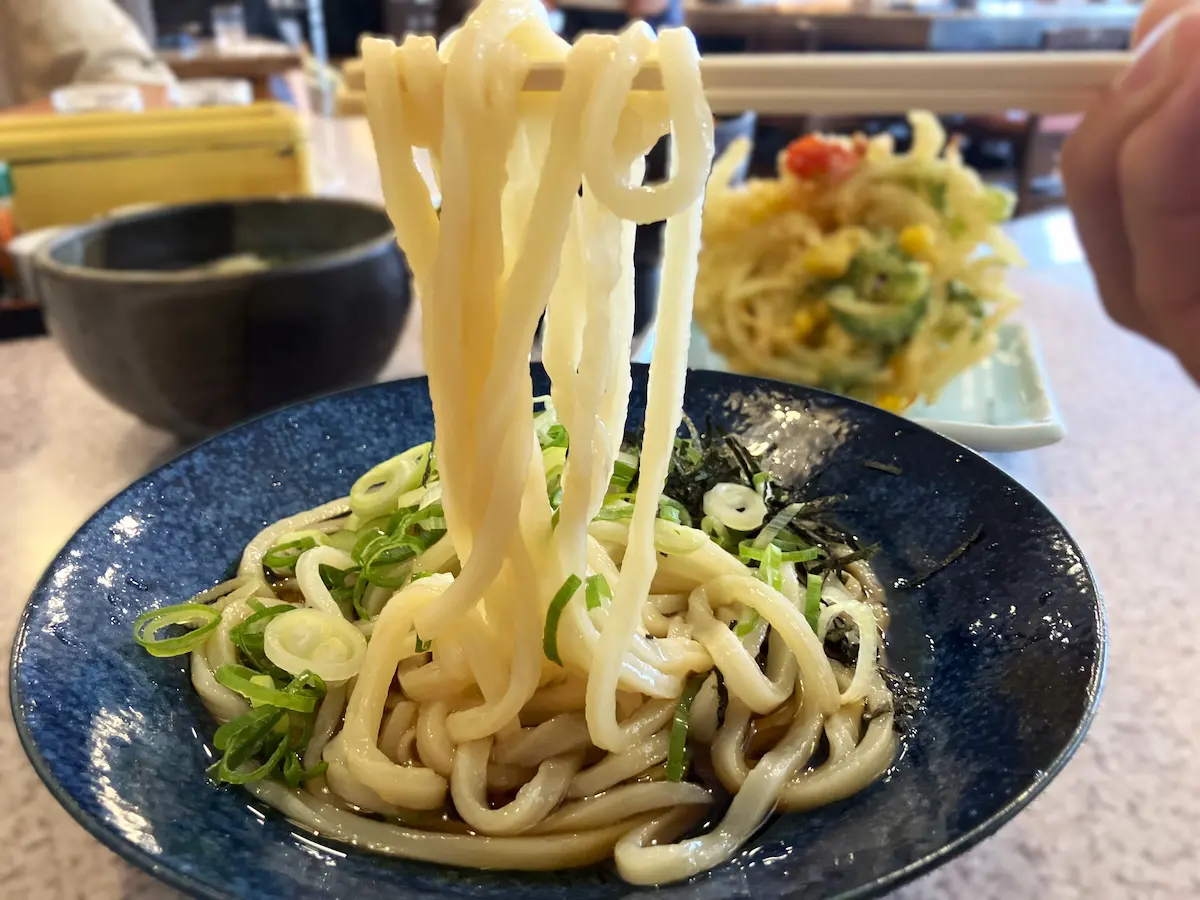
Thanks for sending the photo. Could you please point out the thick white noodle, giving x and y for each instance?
(251, 565)
(668, 368)
(458, 728)
(308, 576)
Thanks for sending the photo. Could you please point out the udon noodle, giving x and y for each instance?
(510, 648)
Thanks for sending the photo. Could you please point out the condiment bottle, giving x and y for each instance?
(8, 229)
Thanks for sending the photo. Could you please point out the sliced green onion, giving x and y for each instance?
(335, 578)
(239, 738)
(245, 681)
(341, 540)
(735, 505)
(263, 681)
(387, 563)
(397, 522)
(554, 613)
(260, 611)
(422, 646)
(553, 459)
(812, 601)
(625, 468)
(307, 680)
(720, 535)
(800, 556)
(554, 436)
(748, 624)
(789, 540)
(222, 770)
(294, 773)
(674, 511)
(598, 591)
(406, 503)
(615, 512)
(428, 517)
(627, 460)
(687, 453)
(268, 731)
(762, 481)
(371, 531)
(618, 498)
(282, 557)
(747, 552)
(311, 641)
(341, 583)
(377, 491)
(677, 540)
(358, 592)
(228, 731)
(203, 620)
(676, 759)
(373, 601)
(769, 569)
(247, 636)
(778, 522)
(431, 470)
(544, 421)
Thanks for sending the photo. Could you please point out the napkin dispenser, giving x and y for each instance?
(68, 169)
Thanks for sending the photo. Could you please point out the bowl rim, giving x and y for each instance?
(880, 886)
(45, 263)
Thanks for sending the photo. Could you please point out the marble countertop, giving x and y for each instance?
(1119, 822)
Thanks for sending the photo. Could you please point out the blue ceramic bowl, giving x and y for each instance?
(1006, 647)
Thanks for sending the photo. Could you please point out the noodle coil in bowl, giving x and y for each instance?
(994, 660)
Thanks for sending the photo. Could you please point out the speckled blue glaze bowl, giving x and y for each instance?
(1007, 645)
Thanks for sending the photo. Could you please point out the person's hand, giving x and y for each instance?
(1132, 183)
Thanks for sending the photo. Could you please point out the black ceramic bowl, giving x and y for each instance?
(141, 313)
(1003, 649)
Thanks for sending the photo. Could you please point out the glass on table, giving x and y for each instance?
(228, 25)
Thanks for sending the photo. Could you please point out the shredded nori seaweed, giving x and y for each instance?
(954, 555)
(883, 467)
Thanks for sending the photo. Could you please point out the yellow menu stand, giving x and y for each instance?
(70, 168)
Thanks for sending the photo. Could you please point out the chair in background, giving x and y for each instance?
(1026, 145)
(1038, 183)
(404, 17)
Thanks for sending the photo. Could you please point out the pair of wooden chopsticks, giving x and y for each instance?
(883, 83)
(864, 83)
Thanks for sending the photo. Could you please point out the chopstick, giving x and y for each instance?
(854, 83)
(879, 83)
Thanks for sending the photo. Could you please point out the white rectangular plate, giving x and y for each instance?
(1001, 405)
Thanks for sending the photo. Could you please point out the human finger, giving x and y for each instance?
(1091, 173)
(1161, 203)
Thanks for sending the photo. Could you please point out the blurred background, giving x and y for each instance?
(108, 105)
(154, 55)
